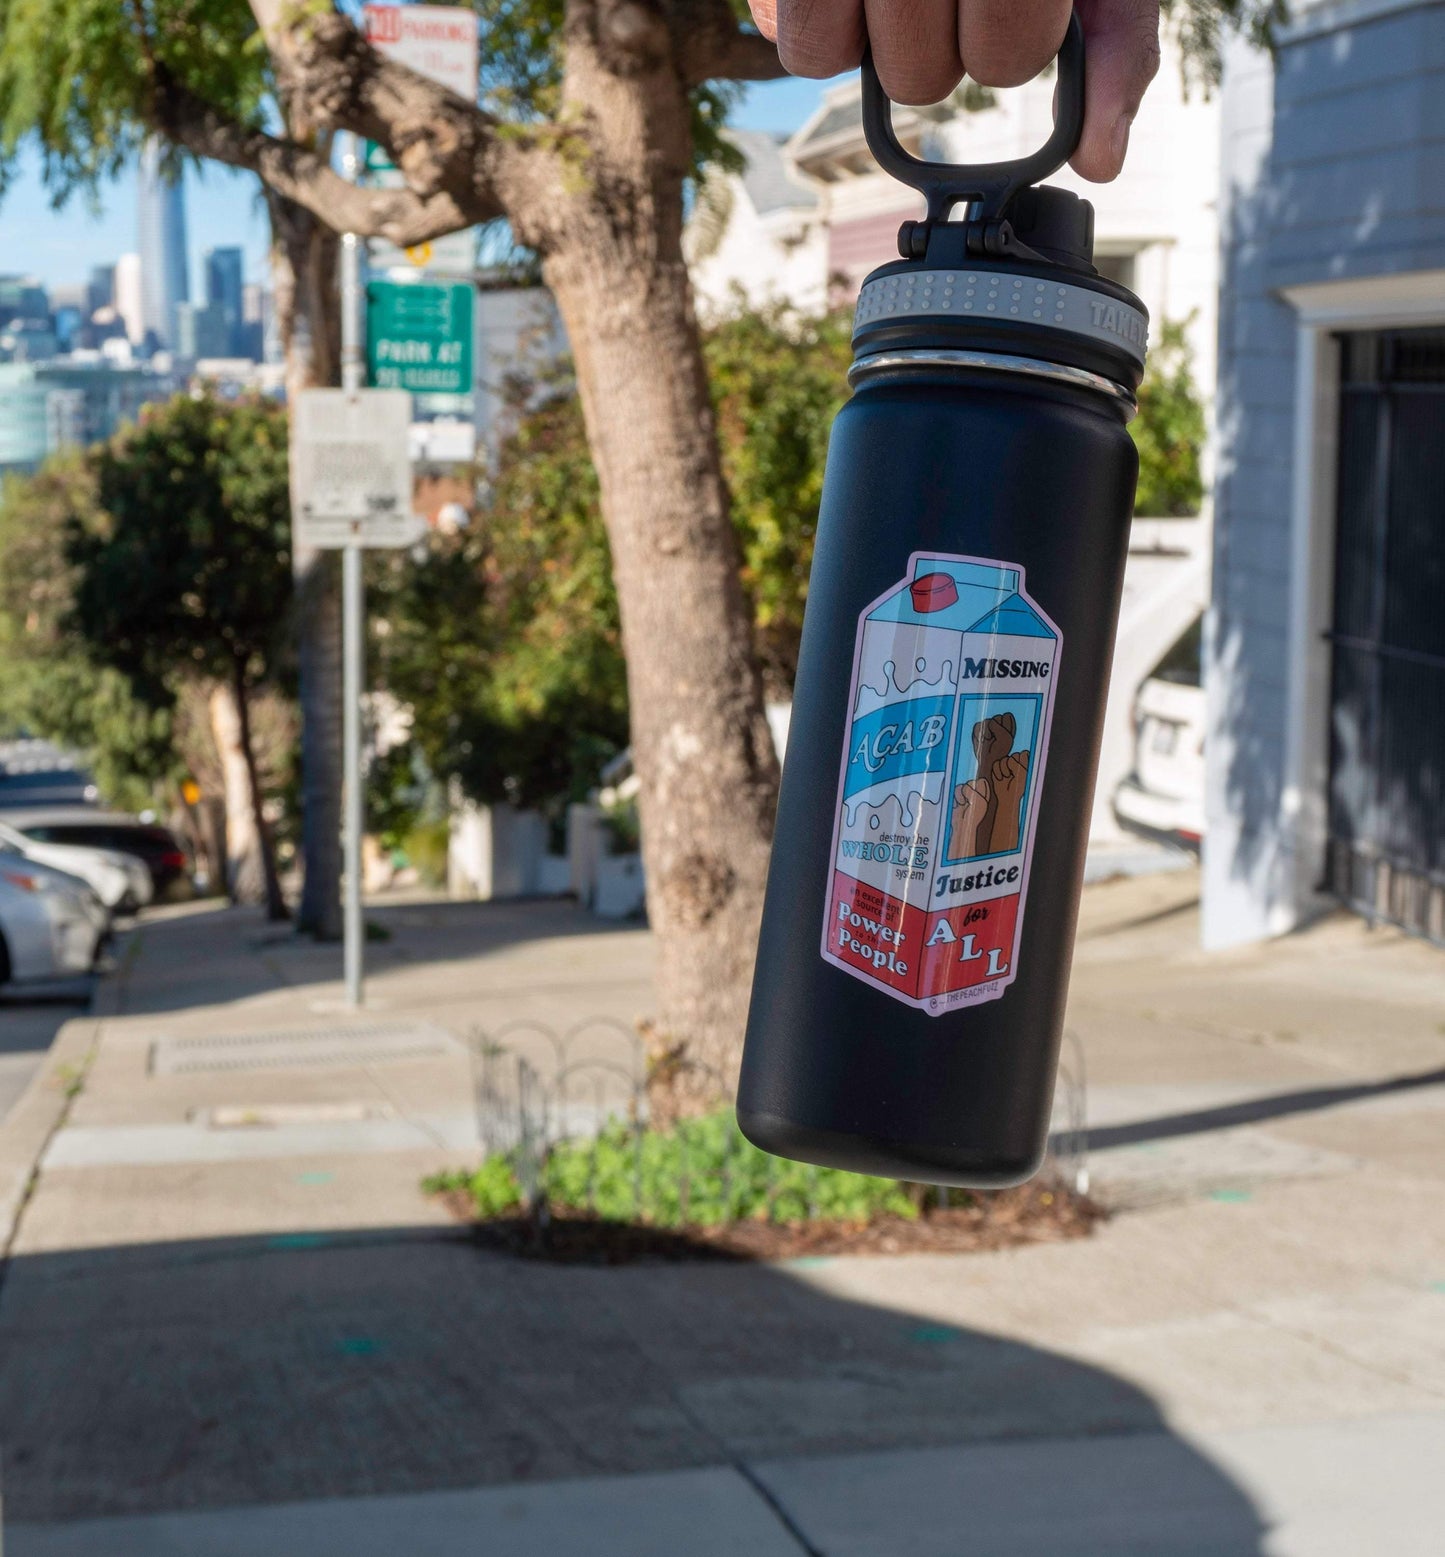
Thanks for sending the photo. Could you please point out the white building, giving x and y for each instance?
(760, 232)
(129, 302)
(810, 218)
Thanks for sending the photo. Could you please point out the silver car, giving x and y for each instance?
(119, 880)
(52, 925)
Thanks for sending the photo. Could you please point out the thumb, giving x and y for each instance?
(1121, 58)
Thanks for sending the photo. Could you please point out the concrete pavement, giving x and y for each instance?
(212, 1345)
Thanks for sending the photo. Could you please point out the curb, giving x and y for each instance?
(37, 1115)
(41, 1108)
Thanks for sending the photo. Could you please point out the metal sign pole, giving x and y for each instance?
(353, 606)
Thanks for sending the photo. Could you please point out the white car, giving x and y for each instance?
(52, 926)
(120, 881)
(1165, 792)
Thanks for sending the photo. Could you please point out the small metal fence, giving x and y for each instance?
(537, 1089)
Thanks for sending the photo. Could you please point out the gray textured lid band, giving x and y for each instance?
(998, 295)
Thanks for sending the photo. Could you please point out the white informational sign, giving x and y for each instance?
(352, 468)
(439, 42)
(436, 41)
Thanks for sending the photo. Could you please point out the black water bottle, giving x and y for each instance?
(914, 953)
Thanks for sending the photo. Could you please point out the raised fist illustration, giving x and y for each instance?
(1010, 779)
(993, 740)
(970, 806)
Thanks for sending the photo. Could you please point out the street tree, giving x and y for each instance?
(594, 114)
(54, 686)
(592, 119)
(185, 573)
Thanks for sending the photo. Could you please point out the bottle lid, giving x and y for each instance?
(933, 592)
(1014, 273)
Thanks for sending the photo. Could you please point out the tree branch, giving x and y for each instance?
(712, 47)
(300, 174)
(442, 143)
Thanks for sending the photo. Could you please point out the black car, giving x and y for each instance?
(155, 846)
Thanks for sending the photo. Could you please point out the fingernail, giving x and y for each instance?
(1119, 138)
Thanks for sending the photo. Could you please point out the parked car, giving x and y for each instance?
(1165, 792)
(157, 848)
(36, 773)
(52, 925)
(120, 881)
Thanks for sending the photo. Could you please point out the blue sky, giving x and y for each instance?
(222, 207)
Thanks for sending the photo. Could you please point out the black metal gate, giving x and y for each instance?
(1386, 854)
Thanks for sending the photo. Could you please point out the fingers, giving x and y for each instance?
(1009, 723)
(1121, 54)
(815, 37)
(765, 18)
(1004, 43)
(922, 46)
(915, 47)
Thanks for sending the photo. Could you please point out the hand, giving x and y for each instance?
(993, 738)
(1009, 777)
(923, 47)
(970, 810)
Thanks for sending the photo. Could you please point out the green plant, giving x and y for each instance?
(493, 1187)
(425, 847)
(1169, 431)
(184, 569)
(624, 829)
(54, 685)
(700, 1173)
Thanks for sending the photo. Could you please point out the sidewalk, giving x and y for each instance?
(222, 1336)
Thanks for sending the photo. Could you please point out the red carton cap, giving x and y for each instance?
(933, 592)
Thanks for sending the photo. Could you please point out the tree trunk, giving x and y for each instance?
(271, 884)
(700, 739)
(304, 276)
(244, 877)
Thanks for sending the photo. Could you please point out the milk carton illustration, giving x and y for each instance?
(942, 769)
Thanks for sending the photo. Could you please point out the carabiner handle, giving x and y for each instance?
(990, 187)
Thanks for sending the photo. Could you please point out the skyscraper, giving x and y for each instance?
(258, 326)
(161, 228)
(224, 285)
(100, 289)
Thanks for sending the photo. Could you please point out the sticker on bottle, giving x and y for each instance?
(943, 765)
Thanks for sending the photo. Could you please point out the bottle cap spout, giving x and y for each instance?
(1004, 216)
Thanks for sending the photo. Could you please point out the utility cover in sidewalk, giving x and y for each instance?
(353, 1043)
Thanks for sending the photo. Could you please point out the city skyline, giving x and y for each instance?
(223, 208)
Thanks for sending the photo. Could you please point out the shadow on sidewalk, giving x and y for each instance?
(217, 956)
(1256, 1110)
(234, 1373)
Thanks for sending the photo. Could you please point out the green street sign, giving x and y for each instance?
(419, 336)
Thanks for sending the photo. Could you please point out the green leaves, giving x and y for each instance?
(78, 78)
(506, 640)
(1169, 431)
(778, 380)
(53, 685)
(187, 568)
(700, 1173)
